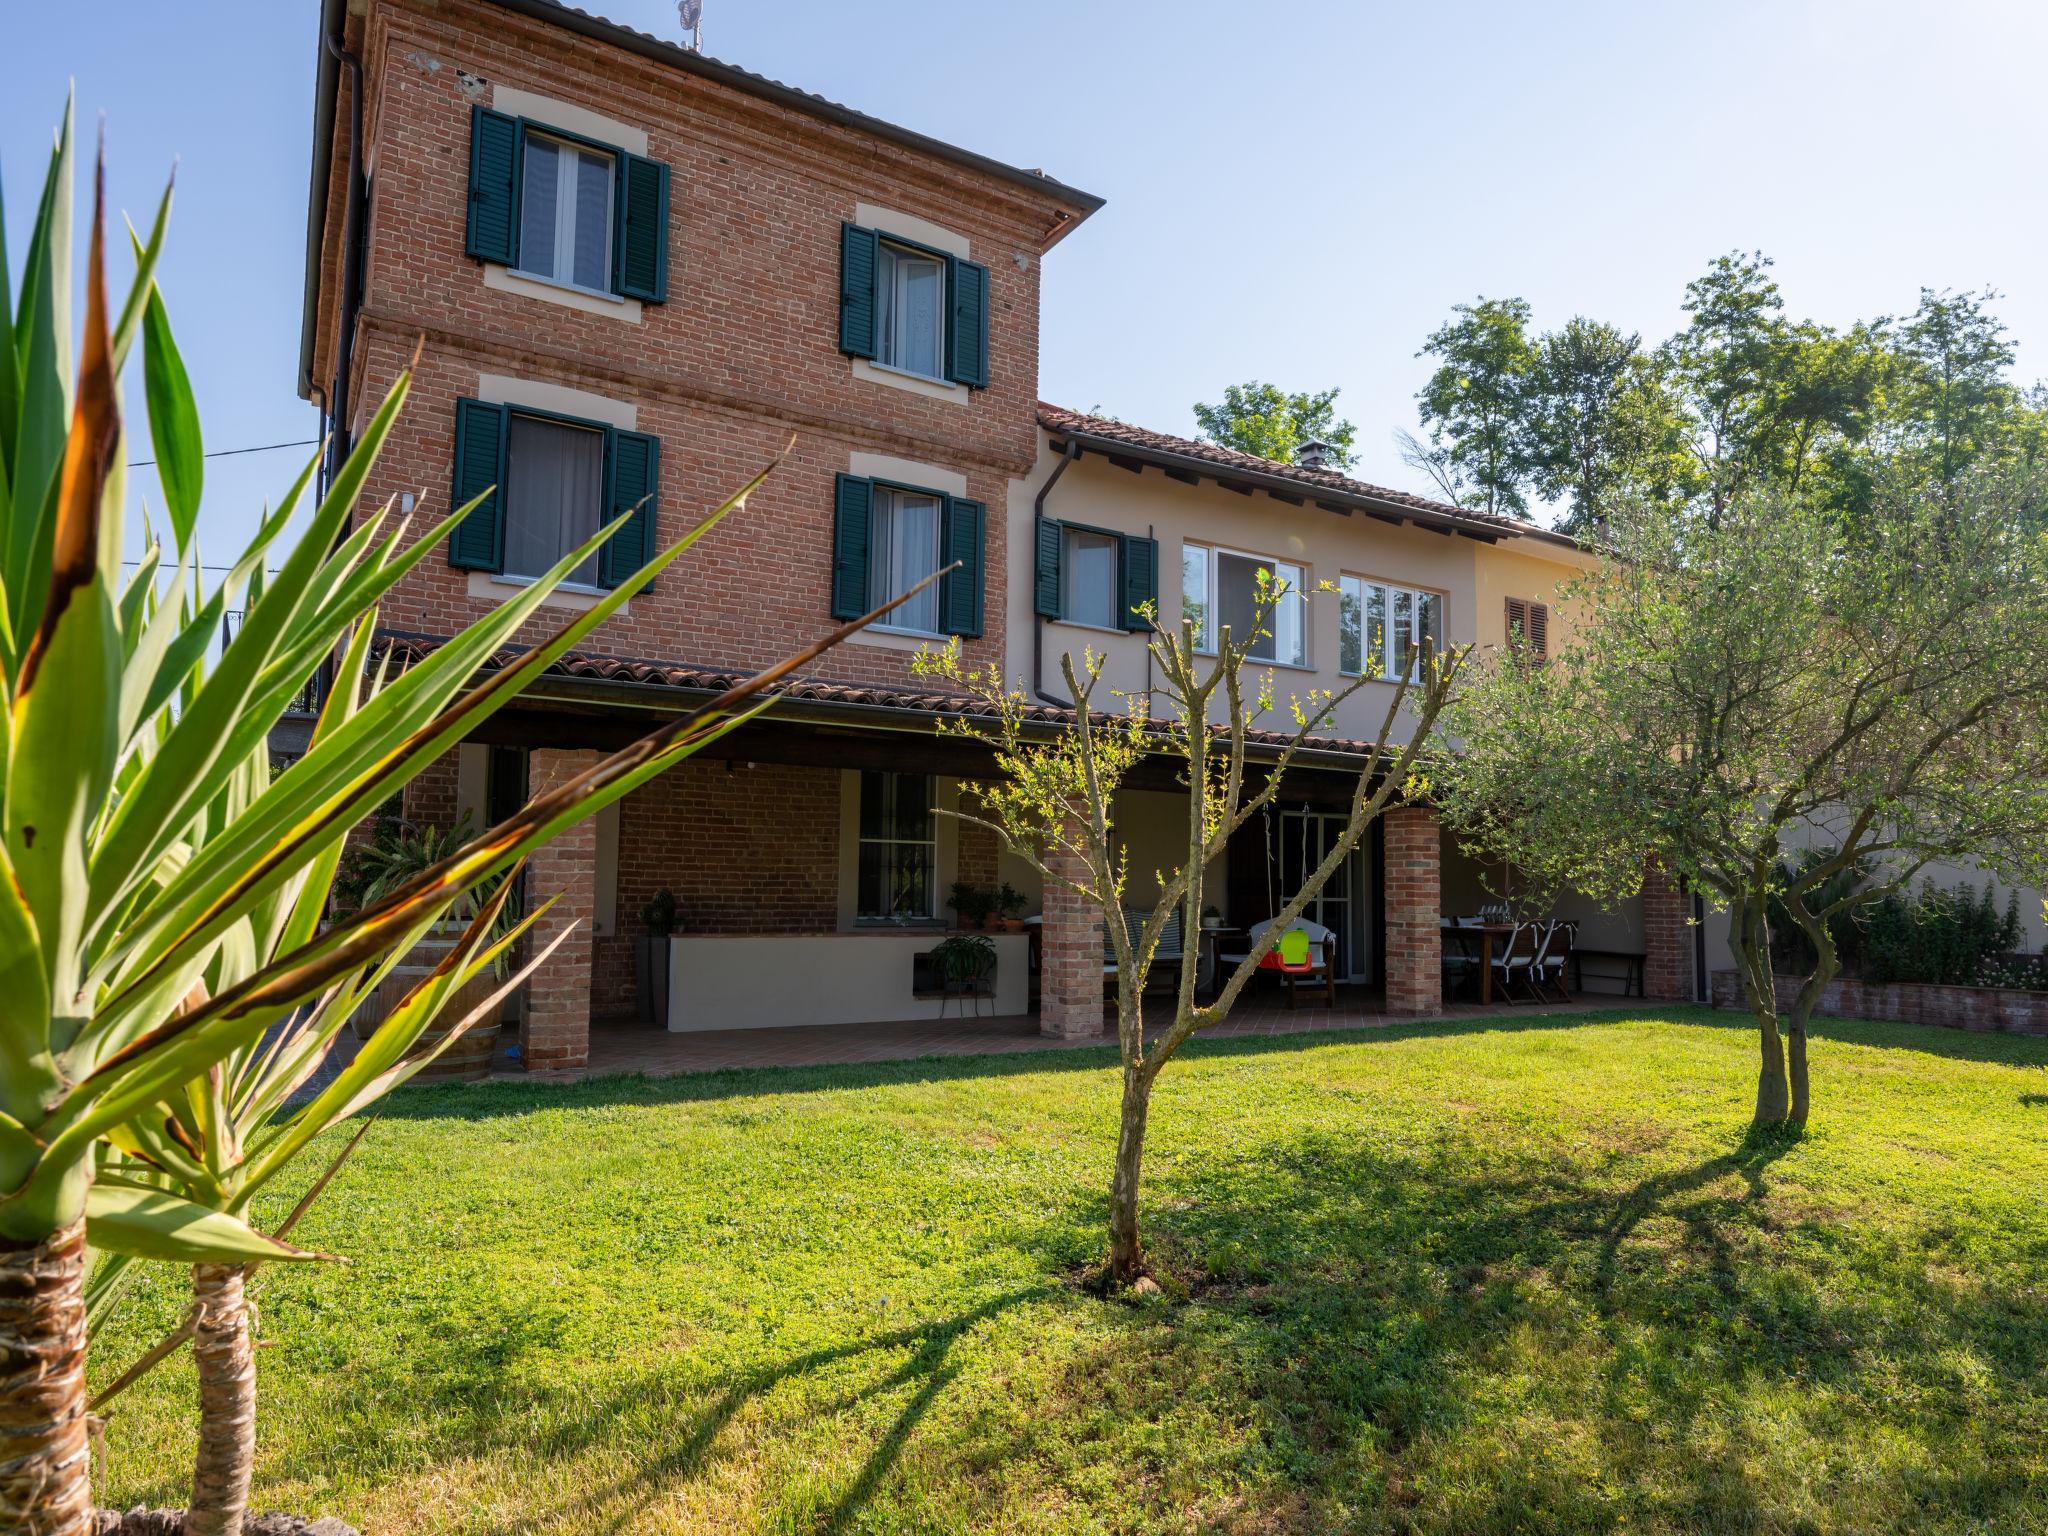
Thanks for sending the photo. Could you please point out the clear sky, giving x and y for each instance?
(1296, 192)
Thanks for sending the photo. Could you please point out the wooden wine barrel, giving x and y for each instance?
(469, 1059)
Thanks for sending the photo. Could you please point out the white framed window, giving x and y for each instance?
(899, 849)
(1382, 628)
(554, 494)
(1090, 576)
(1221, 587)
(910, 311)
(905, 550)
(565, 213)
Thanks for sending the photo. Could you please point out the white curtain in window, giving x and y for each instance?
(592, 236)
(1091, 578)
(538, 206)
(554, 495)
(909, 289)
(906, 550)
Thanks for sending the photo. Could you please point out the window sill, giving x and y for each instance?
(1260, 661)
(913, 383)
(549, 291)
(1100, 629)
(602, 295)
(492, 587)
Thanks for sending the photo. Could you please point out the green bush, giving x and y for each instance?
(1954, 937)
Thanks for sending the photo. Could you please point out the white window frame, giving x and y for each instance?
(1297, 593)
(564, 253)
(862, 842)
(899, 250)
(878, 594)
(1352, 592)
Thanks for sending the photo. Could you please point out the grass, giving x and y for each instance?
(1518, 1275)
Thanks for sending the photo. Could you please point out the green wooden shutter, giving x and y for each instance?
(852, 526)
(1141, 580)
(493, 187)
(1045, 588)
(967, 323)
(634, 472)
(858, 257)
(961, 538)
(478, 542)
(642, 264)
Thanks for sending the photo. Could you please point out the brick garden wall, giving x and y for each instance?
(1984, 1009)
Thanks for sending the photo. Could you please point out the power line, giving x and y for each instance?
(226, 453)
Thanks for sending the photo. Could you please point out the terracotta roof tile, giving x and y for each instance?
(1057, 419)
(405, 649)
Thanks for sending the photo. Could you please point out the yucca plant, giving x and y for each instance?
(143, 877)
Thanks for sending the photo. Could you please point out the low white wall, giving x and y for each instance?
(767, 981)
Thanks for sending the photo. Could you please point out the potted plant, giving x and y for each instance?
(650, 954)
(1010, 903)
(1211, 918)
(963, 962)
(970, 903)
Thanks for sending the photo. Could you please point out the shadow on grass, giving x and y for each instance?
(928, 1368)
(1352, 1314)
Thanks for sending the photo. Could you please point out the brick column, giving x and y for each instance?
(1414, 886)
(1667, 938)
(556, 1034)
(1069, 958)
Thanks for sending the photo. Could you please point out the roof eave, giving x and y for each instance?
(1265, 480)
(325, 91)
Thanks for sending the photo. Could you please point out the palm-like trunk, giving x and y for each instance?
(227, 1400)
(45, 1462)
(1126, 1248)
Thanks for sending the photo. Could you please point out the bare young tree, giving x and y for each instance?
(1053, 804)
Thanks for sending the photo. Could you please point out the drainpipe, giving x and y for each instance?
(1071, 453)
(353, 239)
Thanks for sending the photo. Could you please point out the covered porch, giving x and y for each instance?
(808, 901)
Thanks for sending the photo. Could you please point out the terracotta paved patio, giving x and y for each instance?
(622, 1048)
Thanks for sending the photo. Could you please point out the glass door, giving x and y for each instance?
(1306, 839)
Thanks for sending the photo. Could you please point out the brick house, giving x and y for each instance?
(632, 274)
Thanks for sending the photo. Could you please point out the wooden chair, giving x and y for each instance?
(1553, 954)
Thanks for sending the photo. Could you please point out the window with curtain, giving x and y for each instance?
(1229, 587)
(905, 551)
(1382, 628)
(553, 495)
(910, 291)
(899, 849)
(565, 213)
(1088, 566)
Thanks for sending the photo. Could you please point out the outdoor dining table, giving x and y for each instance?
(1485, 933)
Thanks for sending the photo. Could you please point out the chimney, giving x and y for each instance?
(1314, 453)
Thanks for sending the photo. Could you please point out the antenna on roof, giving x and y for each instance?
(691, 13)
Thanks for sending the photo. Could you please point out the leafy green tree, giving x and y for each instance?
(1475, 408)
(1600, 424)
(1724, 367)
(1770, 674)
(1953, 399)
(1265, 420)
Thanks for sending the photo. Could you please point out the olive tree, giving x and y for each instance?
(1053, 803)
(1773, 678)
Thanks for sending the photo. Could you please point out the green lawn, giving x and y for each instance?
(1515, 1276)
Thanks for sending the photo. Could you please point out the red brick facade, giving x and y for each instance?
(1667, 939)
(741, 358)
(1070, 987)
(1414, 908)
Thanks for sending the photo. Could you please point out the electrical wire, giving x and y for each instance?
(227, 453)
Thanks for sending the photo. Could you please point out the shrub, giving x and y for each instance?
(1949, 937)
